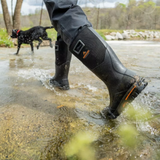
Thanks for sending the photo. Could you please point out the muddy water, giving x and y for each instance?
(36, 119)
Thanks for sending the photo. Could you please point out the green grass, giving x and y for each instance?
(5, 40)
(104, 32)
(108, 31)
(52, 34)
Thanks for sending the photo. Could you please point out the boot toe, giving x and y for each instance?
(107, 114)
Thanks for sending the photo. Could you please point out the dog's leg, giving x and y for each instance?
(32, 49)
(49, 39)
(18, 48)
(40, 41)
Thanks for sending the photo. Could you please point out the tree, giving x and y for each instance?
(17, 13)
(16, 16)
(6, 16)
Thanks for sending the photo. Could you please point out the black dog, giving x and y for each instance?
(30, 35)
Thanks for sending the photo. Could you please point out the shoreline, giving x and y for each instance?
(46, 44)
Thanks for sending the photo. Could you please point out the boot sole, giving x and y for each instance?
(58, 85)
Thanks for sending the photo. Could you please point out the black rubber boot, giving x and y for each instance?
(123, 84)
(62, 65)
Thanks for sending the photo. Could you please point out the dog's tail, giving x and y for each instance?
(48, 27)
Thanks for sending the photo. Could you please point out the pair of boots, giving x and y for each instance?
(123, 85)
(79, 38)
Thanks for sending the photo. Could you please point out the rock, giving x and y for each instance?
(125, 35)
(156, 35)
(119, 36)
(108, 37)
(151, 34)
(142, 35)
(113, 34)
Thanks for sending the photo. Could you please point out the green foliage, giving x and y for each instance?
(147, 5)
(122, 5)
(101, 33)
(80, 146)
(128, 135)
(138, 115)
(133, 15)
(52, 34)
(5, 40)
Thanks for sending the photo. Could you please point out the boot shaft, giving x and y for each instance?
(98, 56)
(62, 65)
(62, 59)
(62, 53)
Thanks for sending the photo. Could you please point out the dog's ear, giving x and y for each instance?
(14, 31)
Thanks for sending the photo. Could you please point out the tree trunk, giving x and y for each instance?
(6, 17)
(17, 14)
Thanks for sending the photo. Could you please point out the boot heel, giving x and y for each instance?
(130, 95)
(133, 92)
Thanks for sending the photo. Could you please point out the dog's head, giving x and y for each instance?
(15, 33)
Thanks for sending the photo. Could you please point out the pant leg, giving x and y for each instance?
(67, 18)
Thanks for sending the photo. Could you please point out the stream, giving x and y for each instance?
(37, 120)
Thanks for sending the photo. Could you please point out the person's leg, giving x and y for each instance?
(84, 42)
(62, 65)
(123, 85)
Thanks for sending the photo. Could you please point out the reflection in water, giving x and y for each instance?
(37, 120)
(21, 63)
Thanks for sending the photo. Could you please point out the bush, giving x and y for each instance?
(5, 40)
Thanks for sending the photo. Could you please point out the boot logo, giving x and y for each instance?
(78, 47)
(85, 54)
